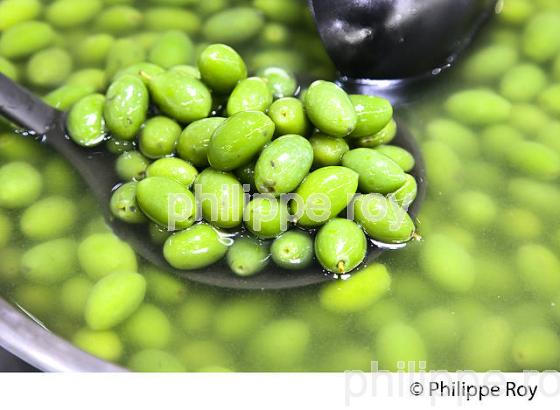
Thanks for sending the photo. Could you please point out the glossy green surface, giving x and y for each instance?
(340, 245)
(484, 274)
(238, 139)
(196, 247)
(283, 164)
(323, 194)
(330, 109)
(126, 106)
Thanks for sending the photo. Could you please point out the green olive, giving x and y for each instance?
(196, 247)
(340, 246)
(378, 173)
(180, 96)
(330, 109)
(323, 194)
(166, 202)
(221, 198)
(383, 219)
(283, 164)
(238, 139)
(126, 106)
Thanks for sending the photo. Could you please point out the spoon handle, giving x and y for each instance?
(25, 109)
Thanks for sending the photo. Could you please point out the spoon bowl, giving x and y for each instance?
(96, 166)
(387, 47)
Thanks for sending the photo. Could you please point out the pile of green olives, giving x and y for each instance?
(486, 273)
(221, 164)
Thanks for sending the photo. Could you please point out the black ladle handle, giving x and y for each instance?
(25, 109)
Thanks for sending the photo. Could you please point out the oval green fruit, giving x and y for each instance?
(283, 164)
(194, 140)
(251, 94)
(173, 168)
(383, 219)
(405, 195)
(293, 250)
(329, 108)
(247, 257)
(124, 205)
(85, 122)
(340, 246)
(180, 96)
(384, 136)
(323, 194)
(221, 67)
(266, 217)
(172, 48)
(166, 202)
(196, 247)
(126, 106)
(289, 117)
(238, 139)
(327, 150)
(399, 155)
(50, 262)
(378, 173)
(113, 299)
(221, 198)
(373, 114)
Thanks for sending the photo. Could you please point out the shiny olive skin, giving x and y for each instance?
(383, 219)
(85, 123)
(238, 139)
(405, 195)
(251, 94)
(196, 247)
(340, 246)
(194, 140)
(180, 96)
(124, 205)
(221, 67)
(373, 114)
(385, 136)
(378, 173)
(323, 194)
(221, 198)
(402, 157)
(126, 106)
(158, 137)
(67, 95)
(166, 202)
(283, 164)
(173, 168)
(293, 250)
(247, 257)
(289, 117)
(266, 217)
(329, 108)
(327, 150)
(131, 166)
(280, 82)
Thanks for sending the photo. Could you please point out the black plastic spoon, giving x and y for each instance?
(391, 48)
(97, 168)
